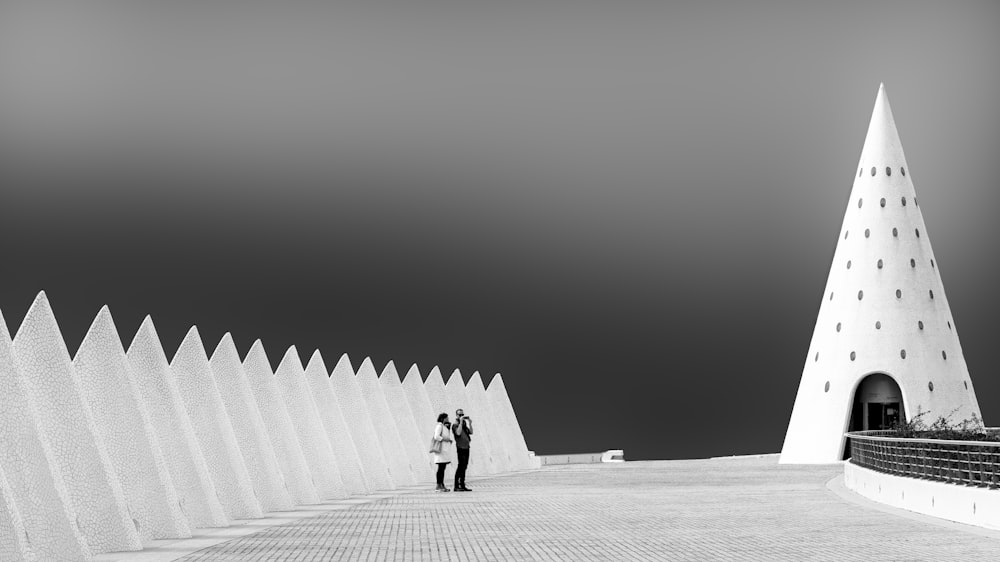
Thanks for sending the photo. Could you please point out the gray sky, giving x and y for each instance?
(627, 208)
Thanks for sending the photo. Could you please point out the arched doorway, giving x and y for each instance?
(878, 404)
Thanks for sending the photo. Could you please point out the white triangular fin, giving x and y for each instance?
(31, 470)
(335, 425)
(355, 410)
(484, 425)
(214, 432)
(174, 430)
(292, 461)
(504, 411)
(308, 426)
(403, 473)
(124, 424)
(423, 412)
(248, 425)
(69, 427)
(414, 444)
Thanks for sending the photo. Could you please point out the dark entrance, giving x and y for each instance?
(878, 404)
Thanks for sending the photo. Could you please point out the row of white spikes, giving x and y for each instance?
(112, 449)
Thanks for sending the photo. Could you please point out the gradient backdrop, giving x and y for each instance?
(628, 208)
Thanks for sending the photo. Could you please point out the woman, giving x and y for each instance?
(441, 449)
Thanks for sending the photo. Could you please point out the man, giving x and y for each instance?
(462, 431)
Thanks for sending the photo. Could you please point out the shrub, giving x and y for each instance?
(969, 429)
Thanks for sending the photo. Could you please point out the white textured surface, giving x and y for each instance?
(248, 425)
(318, 378)
(414, 445)
(503, 412)
(424, 415)
(31, 471)
(123, 423)
(846, 325)
(359, 422)
(384, 425)
(457, 399)
(200, 394)
(483, 423)
(68, 425)
(503, 442)
(436, 394)
(13, 540)
(291, 460)
(308, 426)
(174, 430)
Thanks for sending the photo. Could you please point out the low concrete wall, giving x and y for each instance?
(579, 458)
(964, 504)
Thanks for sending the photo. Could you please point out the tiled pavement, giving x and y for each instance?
(725, 509)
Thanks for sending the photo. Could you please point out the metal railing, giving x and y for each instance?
(968, 463)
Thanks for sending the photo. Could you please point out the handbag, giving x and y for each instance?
(435, 445)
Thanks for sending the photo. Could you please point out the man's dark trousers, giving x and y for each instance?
(463, 462)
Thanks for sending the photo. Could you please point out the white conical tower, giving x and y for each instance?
(212, 428)
(124, 423)
(384, 425)
(316, 446)
(336, 426)
(31, 469)
(883, 313)
(414, 444)
(69, 427)
(251, 433)
(174, 430)
(291, 460)
(359, 422)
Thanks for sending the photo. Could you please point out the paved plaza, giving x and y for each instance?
(723, 509)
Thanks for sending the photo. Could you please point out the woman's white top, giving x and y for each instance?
(442, 433)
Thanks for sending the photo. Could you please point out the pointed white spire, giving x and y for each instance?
(308, 426)
(423, 413)
(384, 425)
(484, 425)
(496, 393)
(318, 378)
(479, 460)
(215, 434)
(434, 387)
(68, 424)
(248, 425)
(31, 469)
(359, 422)
(414, 444)
(883, 312)
(292, 461)
(124, 424)
(174, 430)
